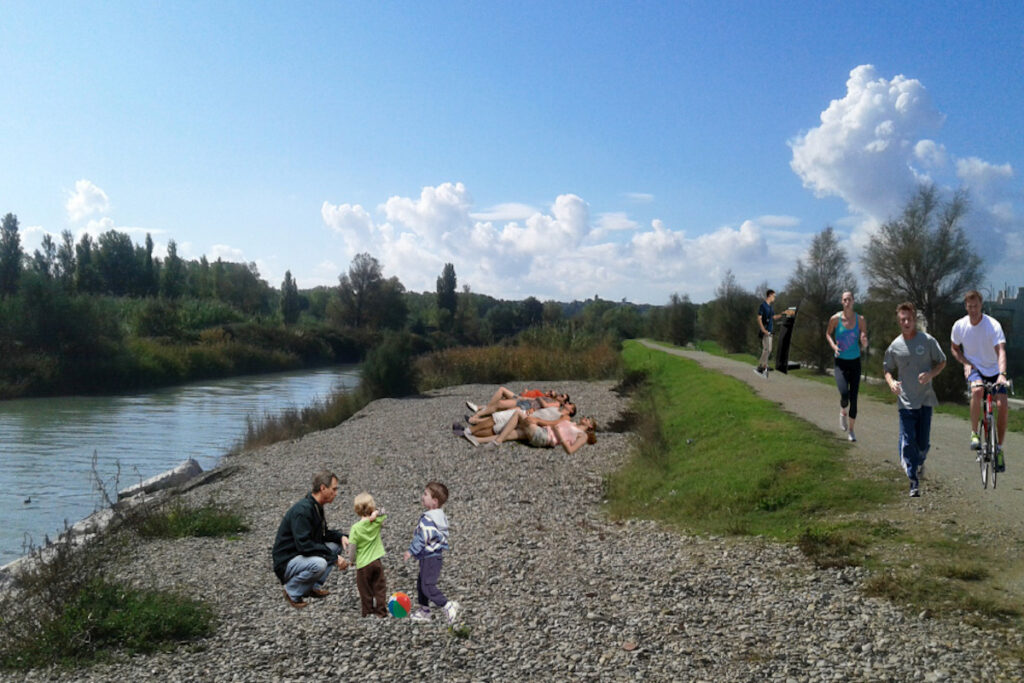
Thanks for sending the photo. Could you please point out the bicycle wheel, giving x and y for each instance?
(985, 461)
(990, 442)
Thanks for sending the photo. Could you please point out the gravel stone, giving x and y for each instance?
(550, 587)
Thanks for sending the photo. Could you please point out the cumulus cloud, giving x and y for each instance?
(560, 252)
(86, 200)
(871, 148)
(878, 143)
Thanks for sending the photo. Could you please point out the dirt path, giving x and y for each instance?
(951, 492)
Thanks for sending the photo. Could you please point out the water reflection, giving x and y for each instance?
(47, 446)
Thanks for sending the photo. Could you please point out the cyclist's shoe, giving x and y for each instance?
(1000, 463)
(850, 436)
(843, 424)
(975, 441)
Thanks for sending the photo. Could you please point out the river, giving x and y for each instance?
(47, 445)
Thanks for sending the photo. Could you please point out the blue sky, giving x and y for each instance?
(559, 150)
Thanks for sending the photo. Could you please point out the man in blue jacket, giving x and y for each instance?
(305, 550)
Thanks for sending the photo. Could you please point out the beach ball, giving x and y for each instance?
(399, 605)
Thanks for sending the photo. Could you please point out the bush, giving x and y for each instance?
(178, 520)
(388, 369)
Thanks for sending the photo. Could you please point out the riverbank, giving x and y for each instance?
(550, 586)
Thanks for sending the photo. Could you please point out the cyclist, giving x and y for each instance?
(978, 342)
(851, 335)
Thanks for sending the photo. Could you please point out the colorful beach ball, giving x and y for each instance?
(399, 605)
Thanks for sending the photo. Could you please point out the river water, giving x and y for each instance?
(48, 445)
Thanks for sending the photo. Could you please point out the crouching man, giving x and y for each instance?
(305, 550)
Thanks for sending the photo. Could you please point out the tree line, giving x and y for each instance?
(105, 314)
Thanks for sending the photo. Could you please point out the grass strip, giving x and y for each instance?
(714, 458)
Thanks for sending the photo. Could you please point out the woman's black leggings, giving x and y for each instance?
(847, 373)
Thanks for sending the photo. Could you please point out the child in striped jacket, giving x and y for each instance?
(428, 542)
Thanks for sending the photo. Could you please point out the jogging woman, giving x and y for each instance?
(850, 332)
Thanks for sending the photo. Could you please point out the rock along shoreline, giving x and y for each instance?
(550, 587)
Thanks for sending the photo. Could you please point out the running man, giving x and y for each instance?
(978, 342)
(766, 317)
(916, 357)
(851, 335)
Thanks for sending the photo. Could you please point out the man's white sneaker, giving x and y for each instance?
(451, 611)
(470, 438)
(850, 435)
(472, 406)
(843, 424)
(420, 616)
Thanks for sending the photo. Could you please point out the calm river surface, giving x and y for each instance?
(47, 444)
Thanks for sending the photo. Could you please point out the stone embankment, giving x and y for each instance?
(551, 589)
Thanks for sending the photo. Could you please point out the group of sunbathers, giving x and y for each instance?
(542, 419)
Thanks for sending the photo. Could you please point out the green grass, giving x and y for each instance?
(714, 458)
(695, 473)
(104, 616)
(178, 520)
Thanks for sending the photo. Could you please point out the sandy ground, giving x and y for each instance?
(952, 493)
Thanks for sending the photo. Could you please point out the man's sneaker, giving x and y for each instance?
(451, 611)
(975, 441)
(843, 424)
(757, 371)
(420, 616)
(470, 438)
(472, 406)
(1000, 463)
(850, 435)
(915, 492)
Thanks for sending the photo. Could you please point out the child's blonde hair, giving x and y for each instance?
(364, 505)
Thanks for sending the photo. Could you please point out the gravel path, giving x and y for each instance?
(550, 587)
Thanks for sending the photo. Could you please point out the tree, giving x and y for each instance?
(172, 282)
(682, 319)
(66, 261)
(148, 285)
(731, 315)
(87, 277)
(10, 256)
(924, 257)
(817, 287)
(44, 260)
(355, 289)
(447, 297)
(365, 299)
(117, 265)
(532, 311)
(290, 304)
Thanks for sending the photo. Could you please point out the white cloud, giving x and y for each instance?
(560, 253)
(510, 211)
(875, 146)
(226, 253)
(870, 143)
(86, 200)
(639, 197)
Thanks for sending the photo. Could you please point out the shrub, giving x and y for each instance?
(388, 369)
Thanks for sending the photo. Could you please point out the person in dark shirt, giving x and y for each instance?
(305, 550)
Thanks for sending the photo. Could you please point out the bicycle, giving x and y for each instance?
(989, 436)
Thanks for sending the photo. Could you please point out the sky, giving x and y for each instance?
(626, 150)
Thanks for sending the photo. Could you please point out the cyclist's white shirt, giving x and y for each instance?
(979, 342)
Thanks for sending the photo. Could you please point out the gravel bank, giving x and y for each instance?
(550, 587)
